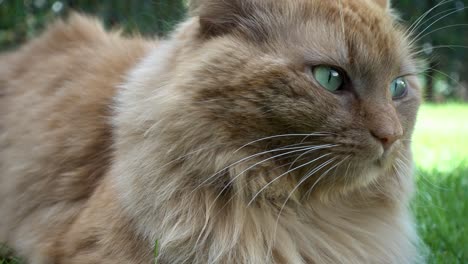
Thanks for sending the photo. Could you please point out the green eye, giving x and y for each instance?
(398, 88)
(328, 77)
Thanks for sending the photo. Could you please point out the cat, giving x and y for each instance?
(260, 131)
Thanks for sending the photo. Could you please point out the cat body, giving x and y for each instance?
(109, 144)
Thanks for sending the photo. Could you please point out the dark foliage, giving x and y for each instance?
(23, 19)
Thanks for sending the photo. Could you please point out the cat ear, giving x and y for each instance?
(385, 4)
(218, 17)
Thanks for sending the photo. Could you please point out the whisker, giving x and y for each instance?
(446, 75)
(233, 196)
(334, 175)
(404, 166)
(446, 15)
(292, 192)
(398, 172)
(305, 153)
(434, 16)
(284, 135)
(401, 166)
(324, 174)
(408, 161)
(438, 29)
(242, 160)
(346, 173)
(250, 167)
(440, 47)
(287, 172)
(418, 21)
(404, 157)
(289, 163)
(258, 154)
(188, 154)
(217, 197)
(265, 160)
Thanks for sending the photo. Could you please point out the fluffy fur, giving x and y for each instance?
(109, 144)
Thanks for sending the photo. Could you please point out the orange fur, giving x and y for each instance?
(108, 144)
(55, 132)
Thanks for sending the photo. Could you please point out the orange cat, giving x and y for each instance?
(261, 131)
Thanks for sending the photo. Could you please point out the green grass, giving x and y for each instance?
(440, 148)
(440, 140)
(7, 260)
(156, 251)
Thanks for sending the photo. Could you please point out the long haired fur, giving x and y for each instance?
(217, 142)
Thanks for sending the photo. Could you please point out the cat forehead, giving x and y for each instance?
(353, 34)
(357, 35)
(369, 37)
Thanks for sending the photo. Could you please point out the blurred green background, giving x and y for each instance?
(441, 139)
(441, 41)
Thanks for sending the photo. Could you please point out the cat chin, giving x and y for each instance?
(370, 175)
(359, 176)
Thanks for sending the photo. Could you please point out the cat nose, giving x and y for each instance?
(383, 123)
(387, 139)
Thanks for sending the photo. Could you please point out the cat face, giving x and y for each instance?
(324, 89)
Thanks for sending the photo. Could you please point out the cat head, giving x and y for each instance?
(298, 92)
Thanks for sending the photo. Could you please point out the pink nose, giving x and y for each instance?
(387, 140)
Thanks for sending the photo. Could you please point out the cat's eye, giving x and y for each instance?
(399, 88)
(329, 78)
